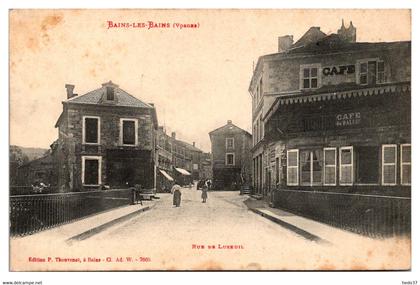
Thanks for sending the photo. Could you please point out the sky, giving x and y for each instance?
(197, 78)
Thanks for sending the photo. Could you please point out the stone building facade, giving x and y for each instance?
(330, 112)
(231, 161)
(106, 137)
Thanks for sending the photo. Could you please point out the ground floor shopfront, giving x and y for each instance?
(345, 161)
(360, 141)
(370, 162)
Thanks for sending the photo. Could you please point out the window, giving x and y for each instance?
(389, 164)
(310, 167)
(381, 72)
(91, 170)
(128, 132)
(363, 73)
(371, 72)
(330, 168)
(367, 164)
(310, 77)
(406, 164)
(110, 93)
(91, 130)
(292, 167)
(230, 159)
(230, 143)
(346, 165)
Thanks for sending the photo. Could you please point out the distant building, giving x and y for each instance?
(106, 136)
(164, 173)
(178, 161)
(231, 160)
(39, 170)
(206, 171)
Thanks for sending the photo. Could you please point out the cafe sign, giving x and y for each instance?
(339, 70)
(348, 119)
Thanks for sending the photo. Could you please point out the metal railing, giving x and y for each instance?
(33, 213)
(370, 215)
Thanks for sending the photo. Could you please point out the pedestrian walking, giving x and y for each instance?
(204, 191)
(176, 191)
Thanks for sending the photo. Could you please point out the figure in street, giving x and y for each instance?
(204, 191)
(176, 192)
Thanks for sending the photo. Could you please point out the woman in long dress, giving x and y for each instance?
(176, 191)
(204, 192)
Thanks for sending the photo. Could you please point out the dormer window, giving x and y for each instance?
(110, 93)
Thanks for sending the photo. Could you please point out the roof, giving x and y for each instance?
(122, 98)
(225, 128)
(189, 146)
(312, 35)
(334, 43)
(328, 44)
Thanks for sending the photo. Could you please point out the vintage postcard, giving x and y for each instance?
(210, 139)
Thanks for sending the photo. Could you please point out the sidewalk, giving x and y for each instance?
(307, 228)
(86, 227)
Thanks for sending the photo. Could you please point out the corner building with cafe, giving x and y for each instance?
(336, 132)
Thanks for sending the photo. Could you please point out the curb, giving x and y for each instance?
(291, 227)
(96, 230)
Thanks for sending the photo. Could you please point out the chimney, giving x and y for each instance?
(229, 122)
(173, 135)
(70, 89)
(194, 144)
(285, 42)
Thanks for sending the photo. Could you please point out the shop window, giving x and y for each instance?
(91, 130)
(389, 164)
(128, 132)
(330, 166)
(310, 167)
(406, 164)
(292, 167)
(230, 143)
(91, 170)
(230, 159)
(346, 165)
(367, 164)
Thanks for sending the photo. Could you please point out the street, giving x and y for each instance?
(221, 234)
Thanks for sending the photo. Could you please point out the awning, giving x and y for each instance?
(167, 176)
(182, 171)
(363, 92)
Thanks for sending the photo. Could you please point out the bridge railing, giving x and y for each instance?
(371, 215)
(33, 213)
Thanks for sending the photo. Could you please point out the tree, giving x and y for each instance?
(16, 159)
